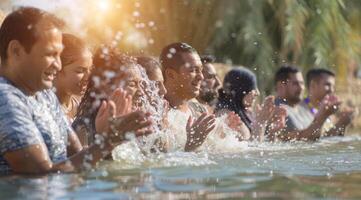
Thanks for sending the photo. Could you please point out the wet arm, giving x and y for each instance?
(311, 133)
(74, 146)
(35, 159)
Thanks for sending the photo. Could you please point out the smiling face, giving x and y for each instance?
(188, 78)
(322, 86)
(210, 84)
(133, 84)
(40, 66)
(157, 76)
(73, 77)
(128, 78)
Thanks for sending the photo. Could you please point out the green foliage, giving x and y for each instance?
(259, 34)
(307, 33)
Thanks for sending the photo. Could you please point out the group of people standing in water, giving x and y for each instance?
(64, 109)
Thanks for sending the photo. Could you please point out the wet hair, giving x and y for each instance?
(207, 59)
(236, 85)
(20, 25)
(73, 46)
(148, 63)
(316, 74)
(283, 73)
(110, 66)
(171, 57)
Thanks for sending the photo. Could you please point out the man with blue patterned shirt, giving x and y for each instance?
(34, 132)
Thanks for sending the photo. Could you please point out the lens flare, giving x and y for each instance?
(103, 5)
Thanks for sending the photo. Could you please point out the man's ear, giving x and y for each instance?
(170, 73)
(15, 50)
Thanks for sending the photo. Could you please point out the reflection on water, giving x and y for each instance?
(328, 169)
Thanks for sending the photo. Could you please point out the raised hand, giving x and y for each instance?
(114, 128)
(198, 130)
(122, 101)
(265, 111)
(105, 113)
(346, 115)
(120, 104)
(137, 122)
(234, 121)
(329, 105)
(278, 120)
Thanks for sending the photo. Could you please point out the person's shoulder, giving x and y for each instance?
(6, 86)
(303, 105)
(9, 93)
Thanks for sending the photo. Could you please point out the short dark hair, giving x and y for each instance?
(283, 73)
(171, 55)
(316, 73)
(207, 59)
(20, 25)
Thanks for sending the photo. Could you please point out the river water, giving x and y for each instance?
(327, 169)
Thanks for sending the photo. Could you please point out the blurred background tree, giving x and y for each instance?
(259, 34)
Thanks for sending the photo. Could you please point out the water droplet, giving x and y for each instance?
(219, 23)
(151, 24)
(136, 14)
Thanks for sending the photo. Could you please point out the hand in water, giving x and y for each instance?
(265, 111)
(329, 105)
(197, 131)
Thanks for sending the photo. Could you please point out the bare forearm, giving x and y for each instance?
(74, 145)
(311, 133)
(34, 159)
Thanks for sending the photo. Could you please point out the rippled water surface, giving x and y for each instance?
(328, 169)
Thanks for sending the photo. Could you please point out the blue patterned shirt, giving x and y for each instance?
(29, 120)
